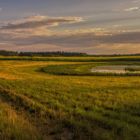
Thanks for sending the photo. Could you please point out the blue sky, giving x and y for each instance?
(92, 26)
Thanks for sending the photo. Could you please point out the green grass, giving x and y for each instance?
(73, 59)
(47, 104)
(67, 69)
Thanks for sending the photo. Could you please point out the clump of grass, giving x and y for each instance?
(14, 125)
(133, 69)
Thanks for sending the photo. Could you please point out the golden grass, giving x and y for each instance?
(14, 125)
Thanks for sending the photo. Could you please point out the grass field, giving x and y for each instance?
(53, 99)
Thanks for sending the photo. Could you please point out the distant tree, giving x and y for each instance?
(51, 54)
(8, 53)
(58, 53)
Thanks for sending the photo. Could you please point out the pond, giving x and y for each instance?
(118, 69)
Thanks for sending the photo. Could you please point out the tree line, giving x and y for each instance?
(58, 53)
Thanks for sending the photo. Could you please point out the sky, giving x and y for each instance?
(89, 26)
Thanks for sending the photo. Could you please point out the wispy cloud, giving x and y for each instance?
(40, 21)
(132, 9)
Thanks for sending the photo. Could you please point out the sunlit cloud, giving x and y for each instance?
(35, 25)
(132, 9)
(40, 21)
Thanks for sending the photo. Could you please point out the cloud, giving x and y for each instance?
(40, 21)
(136, 1)
(132, 9)
(34, 34)
(78, 39)
(90, 42)
(85, 38)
